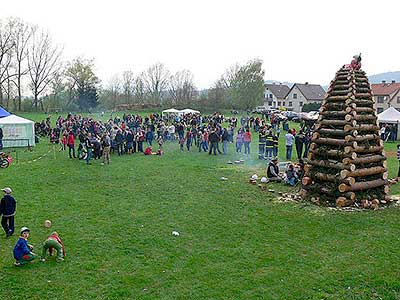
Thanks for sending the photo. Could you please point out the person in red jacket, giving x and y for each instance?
(71, 144)
(53, 241)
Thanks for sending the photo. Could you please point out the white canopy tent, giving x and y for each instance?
(390, 116)
(188, 111)
(171, 111)
(17, 131)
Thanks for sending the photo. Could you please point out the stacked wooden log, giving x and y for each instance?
(346, 164)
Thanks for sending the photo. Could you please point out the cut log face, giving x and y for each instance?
(346, 154)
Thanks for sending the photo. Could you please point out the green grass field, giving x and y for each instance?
(235, 241)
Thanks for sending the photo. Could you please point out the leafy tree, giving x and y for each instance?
(247, 86)
(83, 83)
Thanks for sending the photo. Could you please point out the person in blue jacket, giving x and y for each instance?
(8, 206)
(22, 250)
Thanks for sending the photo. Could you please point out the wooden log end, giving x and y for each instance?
(344, 174)
(343, 188)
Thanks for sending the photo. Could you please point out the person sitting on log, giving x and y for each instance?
(355, 63)
(273, 171)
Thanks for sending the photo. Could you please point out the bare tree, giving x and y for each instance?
(128, 82)
(22, 35)
(139, 89)
(181, 87)
(155, 79)
(115, 87)
(6, 54)
(43, 64)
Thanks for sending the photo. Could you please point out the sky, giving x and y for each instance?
(298, 41)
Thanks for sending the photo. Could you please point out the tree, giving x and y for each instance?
(82, 83)
(139, 89)
(155, 80)
(22, 35)
(7, 47)
(128, 85)
(43, 64)
(181, 88)
(247, 86)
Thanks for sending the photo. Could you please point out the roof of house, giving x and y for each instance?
(385, 88)
(311, 91)
(279, 90)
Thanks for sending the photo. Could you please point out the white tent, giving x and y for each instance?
(188, 111)
(390, 116)
(17, 131)
(172, 111)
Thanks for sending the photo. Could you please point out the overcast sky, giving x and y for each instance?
(298, 41)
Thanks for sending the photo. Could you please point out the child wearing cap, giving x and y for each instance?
(22, 250)
(53, 241)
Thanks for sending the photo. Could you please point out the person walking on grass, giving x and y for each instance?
(289, 144)
(239, 141)
(89, 147)
(247, 141)
(22, 250)
(188, 138)
(225, 140)
(71, 144)
(214, 138)
(106, 142)
(8, 206)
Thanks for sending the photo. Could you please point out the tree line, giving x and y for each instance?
(34, 76)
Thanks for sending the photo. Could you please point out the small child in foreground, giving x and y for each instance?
(22, 250)
(53, 241)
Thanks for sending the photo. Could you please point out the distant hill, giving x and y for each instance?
(289, 84)
(388, 77)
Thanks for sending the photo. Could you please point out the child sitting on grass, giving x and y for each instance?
(22, 250)
(53, 241)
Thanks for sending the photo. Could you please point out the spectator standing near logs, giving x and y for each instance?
(289, 144)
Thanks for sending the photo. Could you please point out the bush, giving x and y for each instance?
(311, 106)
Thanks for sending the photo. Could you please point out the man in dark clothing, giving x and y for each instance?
(261, 143)
(214, 139)
(299, 141)
(1, 139)
(7, 210)
(273, 171)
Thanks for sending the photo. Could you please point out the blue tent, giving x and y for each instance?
(4, 113)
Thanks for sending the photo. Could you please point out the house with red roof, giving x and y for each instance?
(386, 95)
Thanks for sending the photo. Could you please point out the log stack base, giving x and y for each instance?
(347, 165)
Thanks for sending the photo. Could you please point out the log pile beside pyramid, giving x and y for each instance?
(346, 164)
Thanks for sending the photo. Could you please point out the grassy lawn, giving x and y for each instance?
(235, 241)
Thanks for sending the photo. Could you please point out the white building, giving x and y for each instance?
(274, 95)
(301, 94)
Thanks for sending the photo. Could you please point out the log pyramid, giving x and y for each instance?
(346, 164)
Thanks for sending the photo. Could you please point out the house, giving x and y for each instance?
(386, 95)
(274, 95)
(301, 94)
